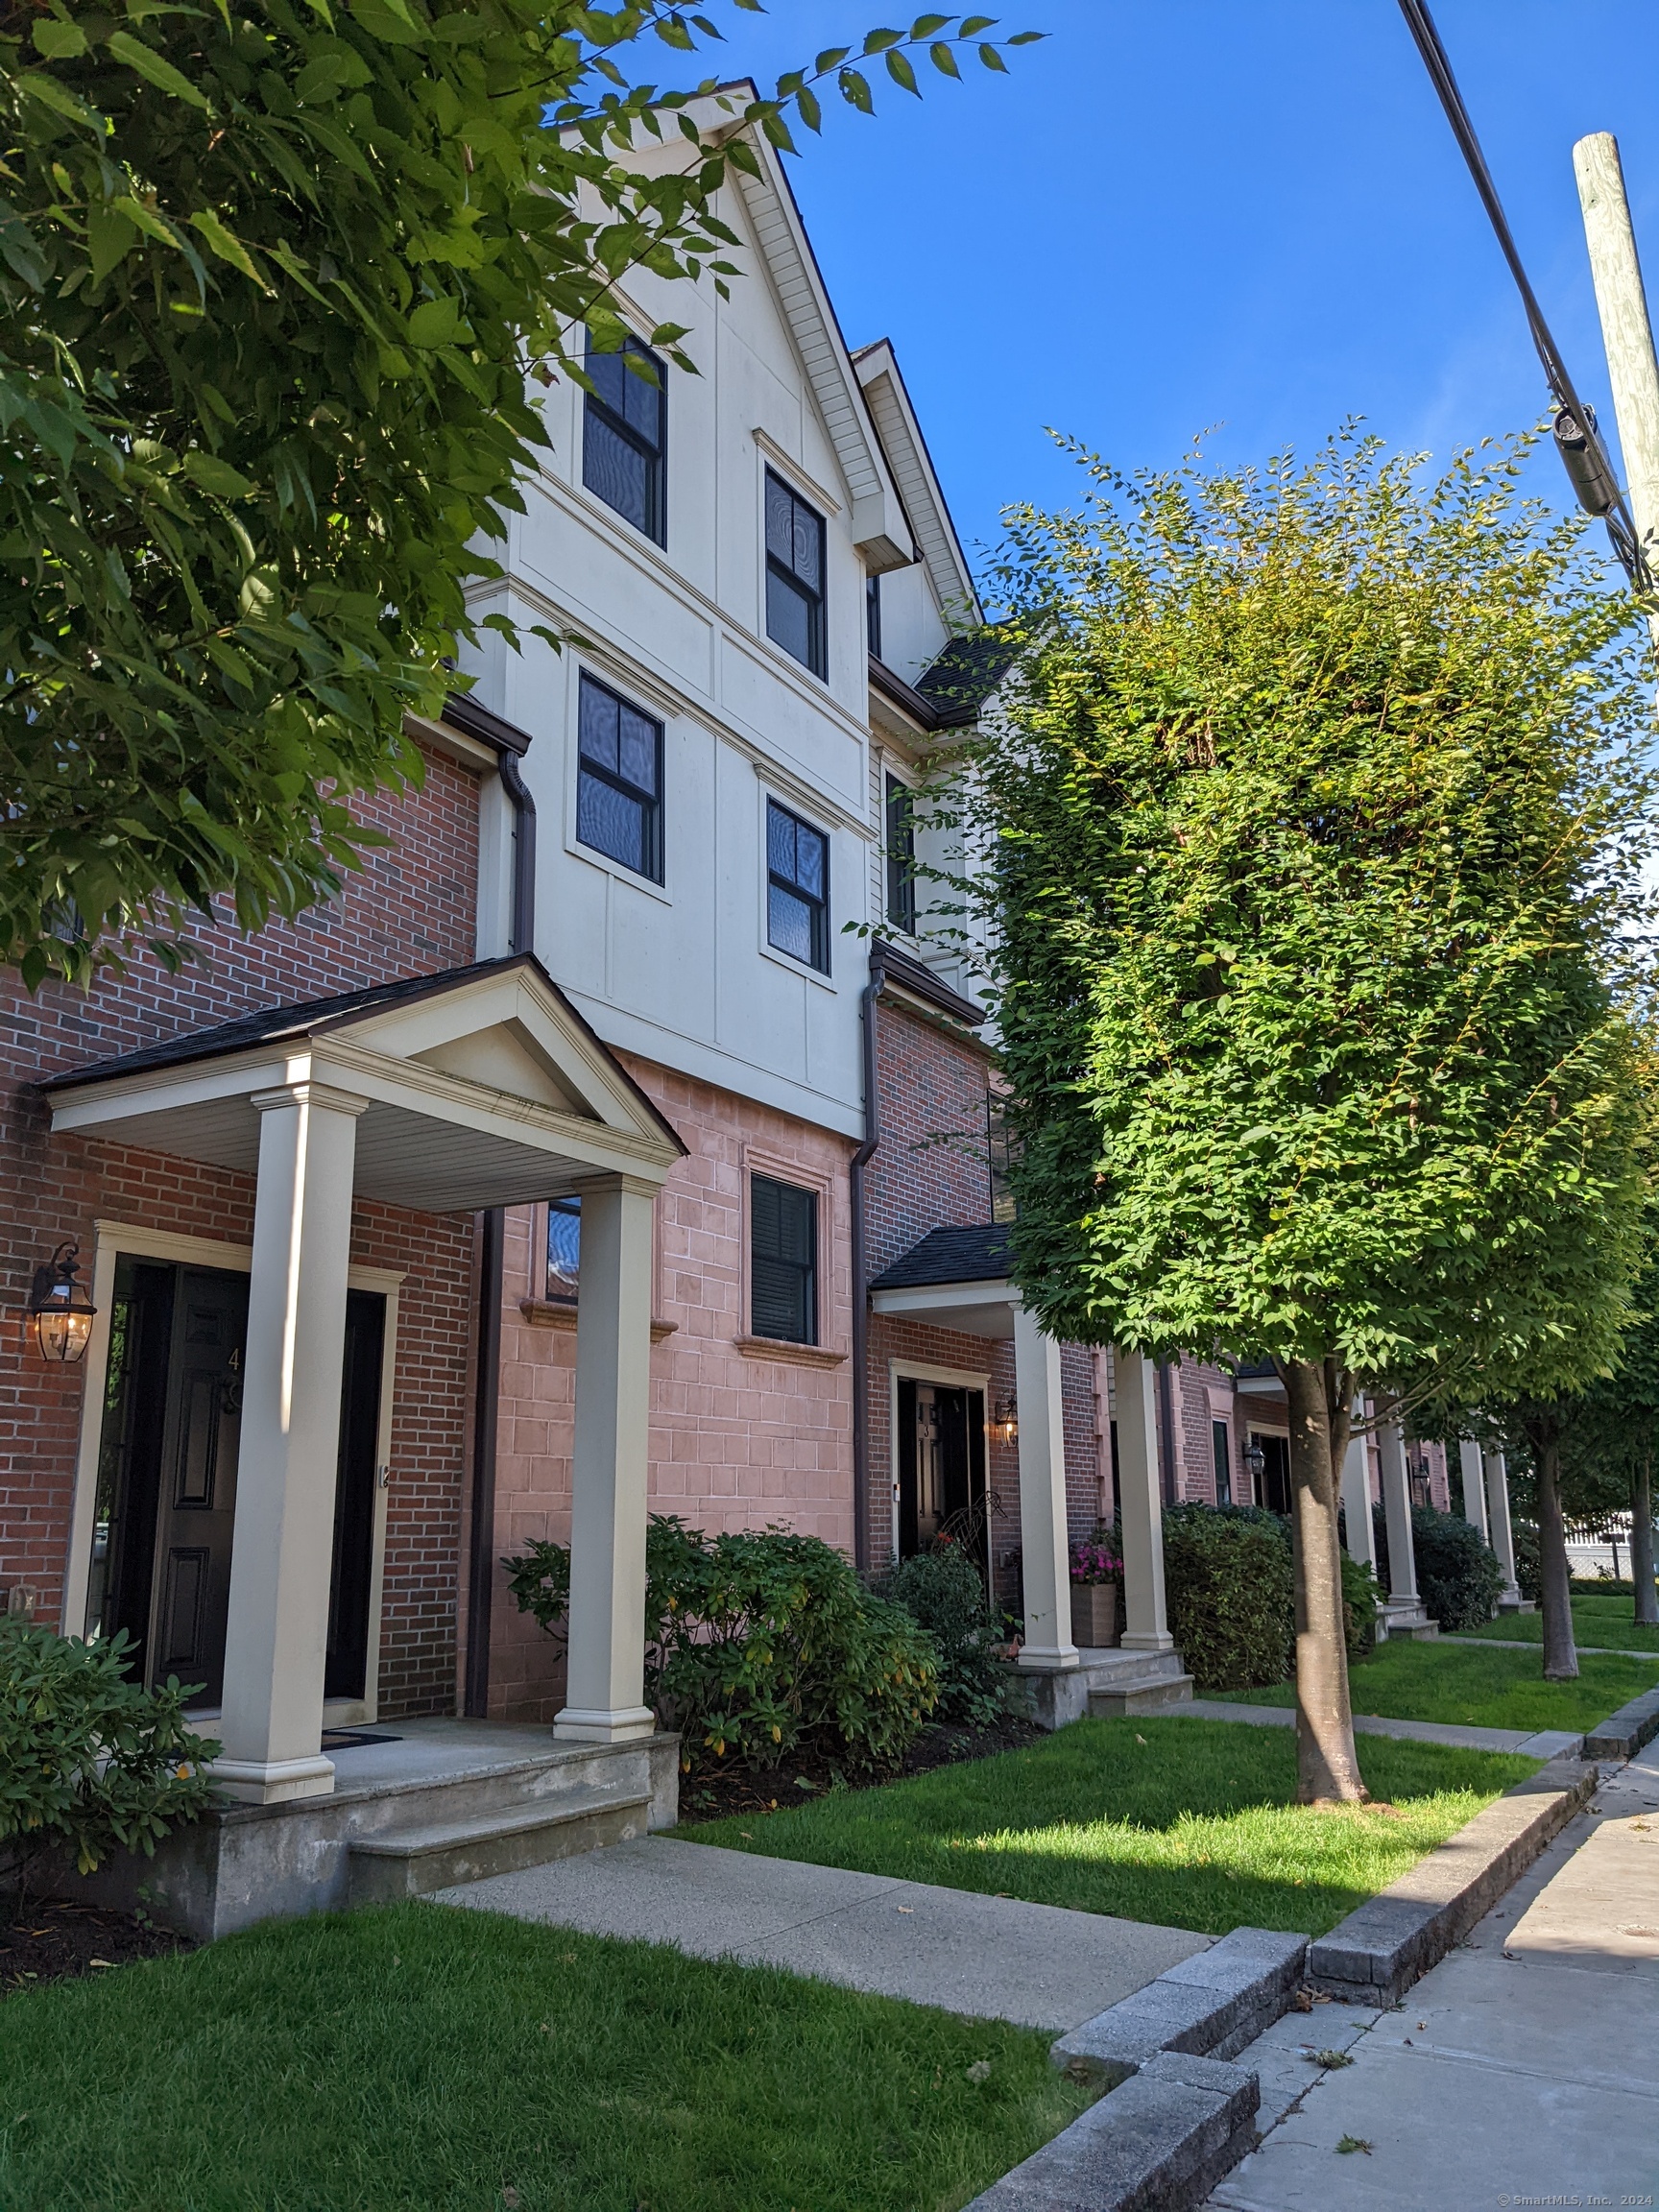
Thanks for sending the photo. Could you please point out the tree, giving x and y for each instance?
(1316, 811)
(274, 281)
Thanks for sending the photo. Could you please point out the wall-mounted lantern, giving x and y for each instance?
(60, 1308)
(1005, 1420)
(1255, 1462)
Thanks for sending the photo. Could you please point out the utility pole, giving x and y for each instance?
(1627, 336)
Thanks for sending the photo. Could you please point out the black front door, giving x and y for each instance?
(941, 1464)
(348, 1592)
(196, 1499)
(1274, 1473)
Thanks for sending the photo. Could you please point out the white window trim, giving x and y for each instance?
(118, 1239)
(948, 1378)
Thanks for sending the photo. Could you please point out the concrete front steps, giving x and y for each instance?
(1107, 1684)
(410, 1861)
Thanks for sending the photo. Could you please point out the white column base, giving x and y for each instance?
(1050, 1659)
(575, 1724)
(1145, 1640)
(273, 1781)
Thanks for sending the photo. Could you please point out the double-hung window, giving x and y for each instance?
(901, 855)
(625, 436)
(797, 887)
(563, 1248)
(794, 575)
(1222, 1451)
(782, 1260)
(619, 781)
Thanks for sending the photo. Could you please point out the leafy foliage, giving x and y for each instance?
(944, 1591)
(1232, 1596)
(90, 1761)
(1458, 1577)
(276, 284)
(758, 1642)
(1318, 807)
(1359, 1601)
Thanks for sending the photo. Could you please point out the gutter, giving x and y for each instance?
(855, 1168)
(510, 745)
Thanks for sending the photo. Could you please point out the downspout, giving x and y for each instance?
(855, 1168)
(487, 1383)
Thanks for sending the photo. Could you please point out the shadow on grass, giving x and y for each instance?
(1188, 1823)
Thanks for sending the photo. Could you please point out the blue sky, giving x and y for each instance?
(1240, 214)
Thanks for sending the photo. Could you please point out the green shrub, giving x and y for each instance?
(90, 1762)
(759, 1642)
(1232, 1595)
(1458, 1577)
(1529, 1561)
(944, 1591)
(1359, 1601)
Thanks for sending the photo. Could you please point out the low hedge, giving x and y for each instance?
(943, 1590)
(759, 1642)
(1458, 1577)
(1232, 1595)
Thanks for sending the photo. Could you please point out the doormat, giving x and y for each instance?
(348, 1739)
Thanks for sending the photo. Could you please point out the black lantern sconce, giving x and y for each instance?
(60, 1308)
(1005, 1420)
(1256, 1463)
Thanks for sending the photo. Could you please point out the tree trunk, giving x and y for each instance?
(1327, 1766)
(1560, 1654)
(1641, 1544)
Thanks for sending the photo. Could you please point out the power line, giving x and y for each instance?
(1576, 438)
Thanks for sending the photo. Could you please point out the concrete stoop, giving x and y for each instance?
(1107, 1684)
(400, 1834)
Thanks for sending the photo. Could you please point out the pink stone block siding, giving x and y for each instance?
(737, 1441)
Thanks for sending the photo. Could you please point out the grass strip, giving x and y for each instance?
(1465, 1687)
(419, 2059)
(1189, 1823)
(1603, 1621)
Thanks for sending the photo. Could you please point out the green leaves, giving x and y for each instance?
(153, 67)
(1320, 810)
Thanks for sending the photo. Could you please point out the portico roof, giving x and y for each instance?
(482, 1085)
(953, 1278)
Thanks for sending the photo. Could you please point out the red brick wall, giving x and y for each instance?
(409, 911)
(930, 1170)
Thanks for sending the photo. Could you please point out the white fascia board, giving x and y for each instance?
(919, 1299)
(881, 529)
(894, 417)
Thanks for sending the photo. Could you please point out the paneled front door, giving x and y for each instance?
(196, 1503)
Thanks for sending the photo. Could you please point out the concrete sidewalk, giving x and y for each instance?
(1584, 1650)
(1535, 1743)
(1523, 2069)
(995, 1958)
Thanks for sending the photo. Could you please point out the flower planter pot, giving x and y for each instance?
(1095, 1615)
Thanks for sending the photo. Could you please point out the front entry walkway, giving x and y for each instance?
(1520, 2071)
(993, 1958)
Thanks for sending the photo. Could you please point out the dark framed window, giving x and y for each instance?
(625, 436)
(873, 615)
(564, 1247)
(900, 811)
(794, 575)
(619, 781)
(782, 1260)
(1221, 1446)
(797, 887)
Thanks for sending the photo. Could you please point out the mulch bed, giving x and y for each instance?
(713, 1791)
(56, 1942)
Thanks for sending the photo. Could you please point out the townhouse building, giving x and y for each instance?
(623, 1138)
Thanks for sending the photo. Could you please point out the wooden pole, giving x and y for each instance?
(1626, 333)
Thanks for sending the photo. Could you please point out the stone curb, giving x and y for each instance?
(1374, 1956)
(1623, 1734)
(1177, 2117)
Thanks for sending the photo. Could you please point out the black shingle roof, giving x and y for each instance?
(958, 684)
(951, 1256)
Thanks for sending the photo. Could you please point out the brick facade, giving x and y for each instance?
(409, 911)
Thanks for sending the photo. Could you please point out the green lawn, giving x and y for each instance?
(1466, 1687)
(1187, 1823)
(1603, 1621)
(425, 2058)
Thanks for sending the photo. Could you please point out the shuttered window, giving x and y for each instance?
(782, 1260)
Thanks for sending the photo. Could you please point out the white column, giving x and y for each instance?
(1141, 1504)
(283, 1538)
(1356, 1501)
(1503, 1536)
(1473, 1486)
(605, 1686)
(1396, 1514)
(1045, 1543)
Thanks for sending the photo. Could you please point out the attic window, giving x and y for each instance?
(794, 575)
(625, 436)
